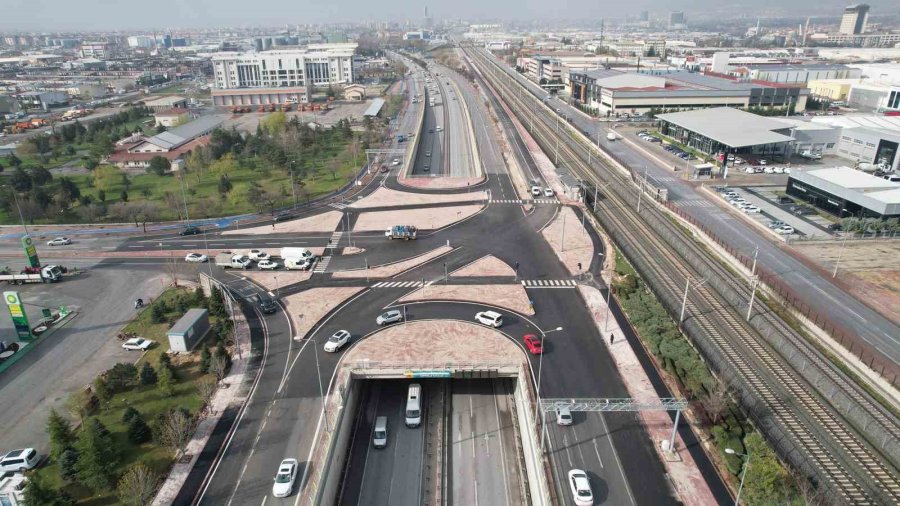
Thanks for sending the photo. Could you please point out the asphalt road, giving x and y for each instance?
(816, 291)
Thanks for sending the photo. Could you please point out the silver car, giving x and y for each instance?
(392, 316)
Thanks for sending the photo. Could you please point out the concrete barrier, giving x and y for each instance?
(538, 483)
(335, 458)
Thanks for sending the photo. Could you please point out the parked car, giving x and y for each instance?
(784, 230)
(59, 241)
(751, 209)
(763, 162)
(256, 254)
(196, 258)
(489, 318)
(785, 200)
(19, 460)
(533, 344)
(337, 341)
(392, 316)
(776, 224)
(137, 344)
(267, 265)
(284, 478)
(581, 488)
(769, 170)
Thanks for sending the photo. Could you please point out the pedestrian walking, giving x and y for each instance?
(612, 337)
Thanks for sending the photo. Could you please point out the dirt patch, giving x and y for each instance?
(429, 218)
(485, 266)
(384, 197)
(325, 222)
(306, 308)
(512, 297)
(388, 270)
(577, 247)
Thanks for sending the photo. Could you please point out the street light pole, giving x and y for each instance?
(833, 274)
(562, 240)
(684, 300)
(753, 284)
(293, 188)
(541, 366)
(737, 499)
(16, 199)
(184, 197)
(753, 269)
(321, 390)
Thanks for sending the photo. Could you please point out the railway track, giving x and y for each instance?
(805, 428)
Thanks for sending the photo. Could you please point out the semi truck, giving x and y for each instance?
(297, 258)
(229, 260)
(405, 232)
(45, 274)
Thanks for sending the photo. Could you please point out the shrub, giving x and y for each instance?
(205, 358)
(121, 377)
(148, 375)
(68, 463)
(129, 413)
(157, 313)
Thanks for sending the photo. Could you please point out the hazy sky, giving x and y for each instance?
(38, 15)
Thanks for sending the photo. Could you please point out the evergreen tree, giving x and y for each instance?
(165, 379)
(138, 430)
(148, 375)
(199, 297)
(68, 464)
(60, 432)
(40, 493)
(205, 358)
(97, 456)
(129, 413)
(216, 305)
(102, 390)
(157, 313)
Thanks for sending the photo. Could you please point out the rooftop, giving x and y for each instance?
(375, 107)
(164, 101)
(732, 127)
(854, 179)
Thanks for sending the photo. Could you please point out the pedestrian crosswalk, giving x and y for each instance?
(338, 205)
(524, 201)
(397, 284)
(322, 264)
(335, 239)
(693, 203)
(549, 283)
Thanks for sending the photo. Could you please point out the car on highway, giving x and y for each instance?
(284, 216)
(392, 316)
(196, 258)
(189, 231)
(536, 191)
(439, 128)
(267, 265)
(581, 488)
(19, 460)
(380, 434)
(533, 344)
(385, 169)
(763, 162)
(59, 241)
(266, 303)
(337, 341)
(137, 344)
(426, 168)
(563, 416)
(548, 192)
(489, 318)
(396, 162)
(256, 254)
(284, 478)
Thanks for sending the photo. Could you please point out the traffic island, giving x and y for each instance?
(488, 265)
(306, 308)
(324, 222)
(386, 197)
(511, 297)
(395, 268)
(432, 218)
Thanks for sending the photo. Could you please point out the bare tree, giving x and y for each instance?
(137, 486)
(207, 389)
(80, 403)
(716, 402)
(218, 365)
(175, 430)
(811, 495)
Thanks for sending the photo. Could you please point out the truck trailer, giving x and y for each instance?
(406, 232)
(45, 274)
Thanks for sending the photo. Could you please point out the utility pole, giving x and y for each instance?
(293, 188)
(753, 285)
(684, 301)
(753, 269)
(836, 264)
(562, 239)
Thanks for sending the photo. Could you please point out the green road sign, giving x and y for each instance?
(17, 312)
(30, 251)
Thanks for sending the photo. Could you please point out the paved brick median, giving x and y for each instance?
(488, 265)
(512, 297)
(429, 218)
(325, 222)
(306, 308)
(384, 197)
(388, 270)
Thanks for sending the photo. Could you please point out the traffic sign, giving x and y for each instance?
(427, 374)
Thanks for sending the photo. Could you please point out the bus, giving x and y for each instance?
(414, 406)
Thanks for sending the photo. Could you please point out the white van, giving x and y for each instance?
(19, 460)
(380, 434)
(414, 406)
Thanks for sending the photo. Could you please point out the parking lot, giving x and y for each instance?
(782, 215)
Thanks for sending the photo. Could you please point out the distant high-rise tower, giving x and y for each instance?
(676, 19)
(427, 20)
(644, 16)
(854, 20)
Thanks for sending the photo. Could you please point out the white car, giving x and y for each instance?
(786, 170)
(563, 416)
(59, 241)
(489, 318)
(770, 170)
(284, 479)
(777, 170)
(581, 488)
(196, 258)
(750, 170)
(137, 344)
(548, 192)
(751, 209)
(396, 162)
(784, 230)
(536, 191)
(738, 202)
(763, 162)
(337, 341)
(391, 316)
(19, 460)
(267, 265)
(256, 254)
(738, 161)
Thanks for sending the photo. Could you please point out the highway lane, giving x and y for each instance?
(457, 131)
(816, 291)
(484, 454)
(392, 475)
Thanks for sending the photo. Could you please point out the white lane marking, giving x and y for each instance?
(618, 461)
(502, 451)
(597, 451)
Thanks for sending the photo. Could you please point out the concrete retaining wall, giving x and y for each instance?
(538, 484)
(336, 457)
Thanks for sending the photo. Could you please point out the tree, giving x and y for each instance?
(97, 456)
(159, 165)
(138, 430)
(165, 379)
(102, 389)
(40, 176)
(40, 493)
(91, 162)
(205, 358)
(216, 305)
(274, 123)
(767, 481)
(68, 464)
(13, 160)
(175, 430)
(20, 180)
(220, 362)
(225, 165)
(101, 195)
(106, 177)
(207, 389)
(148, 375)
(81, 403)
(124, 196)
(157, 313)
(60, 433)
(225, 185)
(717, 401)
(137, 486)
(129, 413)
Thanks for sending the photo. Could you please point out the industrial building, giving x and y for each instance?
(136, 151)
(724, 129)
(276, 76)
(611, 92)
(846, 192)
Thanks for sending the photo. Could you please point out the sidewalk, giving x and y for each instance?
(223, 399)
(686, 478)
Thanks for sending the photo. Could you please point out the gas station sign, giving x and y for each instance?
(30, 251)
(17, 312)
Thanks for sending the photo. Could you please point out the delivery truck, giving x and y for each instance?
(297, 258)
(406, 232)
(228, 260)
(45, 274)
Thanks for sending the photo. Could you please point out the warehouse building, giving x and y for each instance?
(846, 192)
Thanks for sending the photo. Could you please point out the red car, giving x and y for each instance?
(533, 344)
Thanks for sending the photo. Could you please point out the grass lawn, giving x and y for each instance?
(149, 401)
